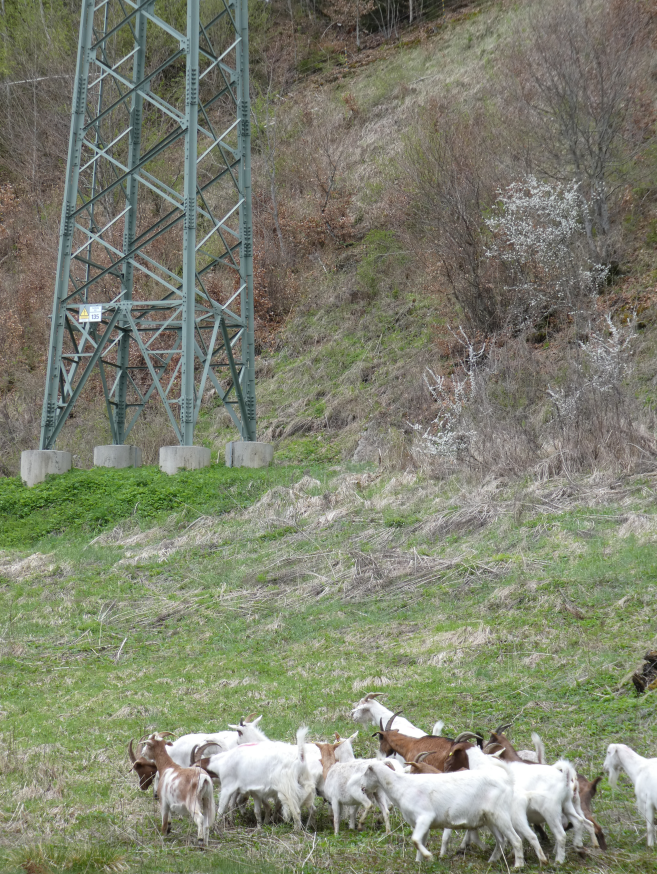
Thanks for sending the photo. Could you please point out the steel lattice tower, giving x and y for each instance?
(156, 222)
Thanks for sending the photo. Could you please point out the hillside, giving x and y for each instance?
(373, 254)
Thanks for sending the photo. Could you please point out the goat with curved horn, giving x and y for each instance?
(422, 756)
(131, 752)
(502, 728)
(466, 735)
(198, 751)
(391, 720)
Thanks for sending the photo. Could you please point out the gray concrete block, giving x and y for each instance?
(175, 458)
(117, 456)
(243, 453)
(37, 464)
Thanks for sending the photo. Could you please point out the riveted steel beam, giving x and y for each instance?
(154, 285)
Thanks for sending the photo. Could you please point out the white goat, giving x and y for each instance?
(267, 771)
(463, 800)
(542, 793)
(369, 710)
(248, 732)
(342, 787)
(643, 774)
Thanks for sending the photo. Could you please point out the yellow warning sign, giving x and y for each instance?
(92, 312)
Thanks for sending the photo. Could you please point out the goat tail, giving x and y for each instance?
(302, 734)
(208, 804)
(204, 797)
(438, 727)
(539, 746)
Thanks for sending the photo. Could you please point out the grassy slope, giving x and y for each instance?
(458, 603)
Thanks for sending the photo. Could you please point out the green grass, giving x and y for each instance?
(86, 502)
(282, 610)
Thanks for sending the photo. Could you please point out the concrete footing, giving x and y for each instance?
(37, 464)
(242, 453)
(175, 458)
(117, 456)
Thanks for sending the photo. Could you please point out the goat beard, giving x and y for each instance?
(613, 777)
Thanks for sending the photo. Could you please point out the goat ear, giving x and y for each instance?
(337, 736)
(257, 720)
(234, 727)
(250, 717)
(378, 734)
(353, 736)
(169, 743)
(497, 754)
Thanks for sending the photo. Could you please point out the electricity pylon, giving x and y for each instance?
(154, 285)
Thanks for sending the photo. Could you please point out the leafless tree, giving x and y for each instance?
(452, 181)
(577, 76)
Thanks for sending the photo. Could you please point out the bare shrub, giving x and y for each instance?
(508, 409)
(451, 181)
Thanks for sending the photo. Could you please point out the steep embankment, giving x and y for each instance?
(474, 605)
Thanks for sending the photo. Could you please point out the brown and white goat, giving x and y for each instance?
(186, 791)
(392, 741)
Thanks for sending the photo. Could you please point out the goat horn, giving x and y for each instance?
(490, 749)
(371, 695)
(162, 734)
(465, 735)
(502, 728)
(391, 720)
(131, 752)
(242, 721)
(422, 756)
(201, 749)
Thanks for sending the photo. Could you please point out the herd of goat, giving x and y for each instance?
(434, 781)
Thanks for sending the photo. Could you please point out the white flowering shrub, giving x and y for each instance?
(537, 232)
(603, 367)
(445, 435)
